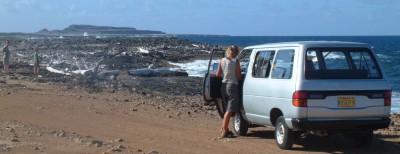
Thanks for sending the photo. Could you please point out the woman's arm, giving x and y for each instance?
(238, 72)
(219, 70)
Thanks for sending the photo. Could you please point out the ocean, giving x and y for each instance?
(386, 47)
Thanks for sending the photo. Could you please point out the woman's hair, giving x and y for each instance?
(232, 51)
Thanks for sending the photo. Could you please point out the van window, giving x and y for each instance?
(283, 66)
(335, 60)
(341, 63)
(262, 64)
(244, 59)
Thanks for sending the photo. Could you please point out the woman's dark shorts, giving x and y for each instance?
(230, 95)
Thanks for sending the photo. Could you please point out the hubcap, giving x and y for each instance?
(237, 122)
(280, 134)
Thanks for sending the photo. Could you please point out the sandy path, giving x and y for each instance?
(44, 118)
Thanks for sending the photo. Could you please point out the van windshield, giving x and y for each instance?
(341, 63)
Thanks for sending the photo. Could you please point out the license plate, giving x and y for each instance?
(346, 102)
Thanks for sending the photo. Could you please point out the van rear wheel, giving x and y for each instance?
(284, 136)
(240, 126)
(363, 139)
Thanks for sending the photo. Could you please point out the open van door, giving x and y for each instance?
(212, 84)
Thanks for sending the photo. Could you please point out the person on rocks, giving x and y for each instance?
(36, 62)
(230, 67)
(6, 57)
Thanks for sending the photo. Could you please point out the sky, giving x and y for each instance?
(220, 17)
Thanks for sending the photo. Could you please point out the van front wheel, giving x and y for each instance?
(240, 126)
(284, 136)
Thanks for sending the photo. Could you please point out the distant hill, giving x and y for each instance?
(90, 30)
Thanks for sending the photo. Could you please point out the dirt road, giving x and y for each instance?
(44, 118)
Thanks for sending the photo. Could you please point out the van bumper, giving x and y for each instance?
(340, 124)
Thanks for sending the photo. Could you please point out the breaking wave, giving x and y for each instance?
(197, 68)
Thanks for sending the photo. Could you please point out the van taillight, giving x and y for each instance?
(299, 99)
(388, 98)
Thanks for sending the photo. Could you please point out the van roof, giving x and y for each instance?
(310, 44)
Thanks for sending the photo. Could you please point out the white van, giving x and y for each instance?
(320, 87)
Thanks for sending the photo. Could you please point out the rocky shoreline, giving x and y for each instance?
(121, 54)
(102, 56)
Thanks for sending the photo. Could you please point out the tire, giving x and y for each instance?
(240, 126)
(363, 139)
(284, 137)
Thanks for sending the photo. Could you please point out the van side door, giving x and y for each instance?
(269, 83)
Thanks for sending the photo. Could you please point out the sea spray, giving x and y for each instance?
(197, 68)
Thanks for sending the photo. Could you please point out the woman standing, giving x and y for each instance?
(6, 57)
(230, 67)
(36, 62)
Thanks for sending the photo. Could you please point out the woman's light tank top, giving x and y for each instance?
(229, 70)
